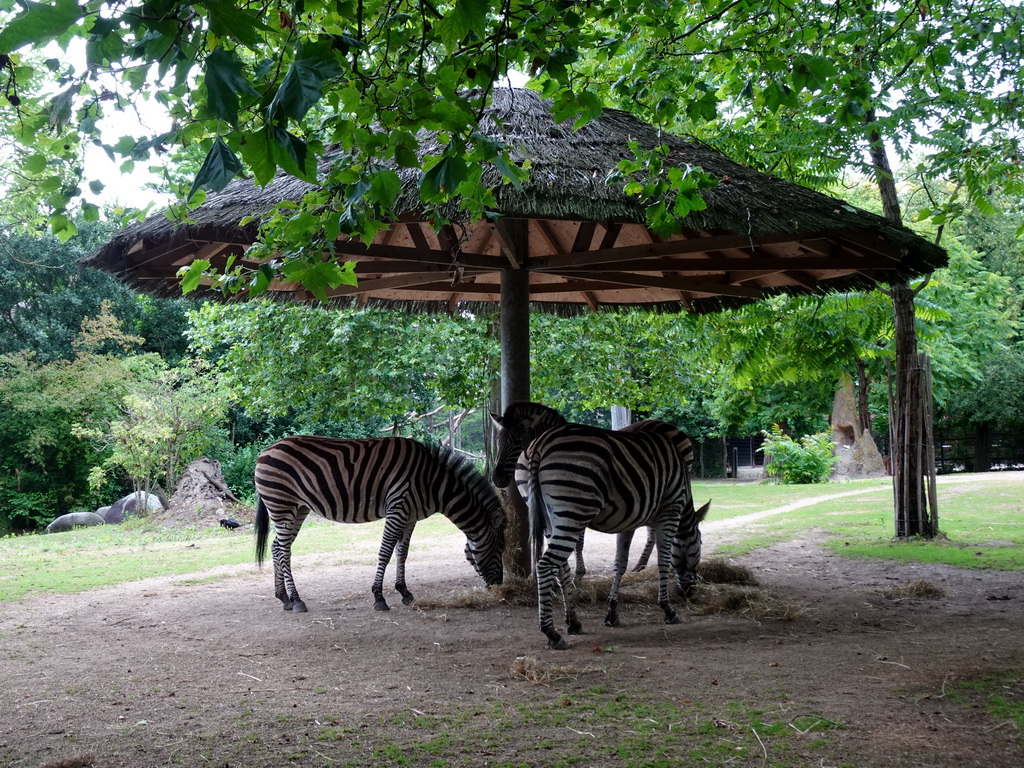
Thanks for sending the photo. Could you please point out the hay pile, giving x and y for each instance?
(725, 588)
(918, 588)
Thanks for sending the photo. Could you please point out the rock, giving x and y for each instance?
(122, 508)
(858, 455)
(74, 520)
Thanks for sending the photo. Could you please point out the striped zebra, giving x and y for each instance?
(523, 422)
(357, 481)
(574, 476)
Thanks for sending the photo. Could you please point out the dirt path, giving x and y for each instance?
(180, 671)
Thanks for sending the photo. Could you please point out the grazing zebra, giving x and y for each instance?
(523, 422)
(574, 476)
(690, 551)
(357, 481)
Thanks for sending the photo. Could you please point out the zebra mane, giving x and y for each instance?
(517, 413)
(478, 486)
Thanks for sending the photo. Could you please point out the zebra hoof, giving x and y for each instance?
(575, 628)
(381, 605)
(673, 619)
(407, 600)
(298, 606)
(611, 620)
(559, 645)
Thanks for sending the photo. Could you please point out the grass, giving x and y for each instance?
(981, 519)
(1000, 694)
(581, 726)
(103, 556)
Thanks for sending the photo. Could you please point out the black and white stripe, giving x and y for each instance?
(357, 481)
(523, 422)
(574, 476)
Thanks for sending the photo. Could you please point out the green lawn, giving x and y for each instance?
(982, 520)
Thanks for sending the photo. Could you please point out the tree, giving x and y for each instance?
(804, 88)
(161, 426)
(45, 464)
(45, 296)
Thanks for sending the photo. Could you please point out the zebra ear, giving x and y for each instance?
(496, 419)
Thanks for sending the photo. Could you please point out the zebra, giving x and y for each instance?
(575, 476)
(358, 481)
(523, 422)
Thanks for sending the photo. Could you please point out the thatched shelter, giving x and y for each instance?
(581, 241)
(565, 239)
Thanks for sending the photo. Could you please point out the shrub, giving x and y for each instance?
(808, 461)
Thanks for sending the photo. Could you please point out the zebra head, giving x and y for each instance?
(521, 424)
(485, 556)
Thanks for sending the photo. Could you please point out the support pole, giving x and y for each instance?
(515, 386)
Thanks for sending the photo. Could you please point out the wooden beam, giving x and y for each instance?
(668, 283)
(666, 248)
(430, 256)
(701, 263)
(514, 237)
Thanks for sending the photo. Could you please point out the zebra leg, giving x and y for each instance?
(281, 552)
(548, 573)
(394, 531)
(645, 556)
(565, 581)
(665, 536)
(581, 567)
(403, 553)
(622, 542)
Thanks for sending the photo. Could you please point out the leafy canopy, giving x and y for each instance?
(801, 88)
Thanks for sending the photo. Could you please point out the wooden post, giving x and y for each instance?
(515, 386)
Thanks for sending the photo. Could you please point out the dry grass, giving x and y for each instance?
(726, 588)
(917, 588)
(752, 602)
(720, 571)
(541, 672)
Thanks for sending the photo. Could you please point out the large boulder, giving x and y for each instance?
(129, 507)
(74, 520)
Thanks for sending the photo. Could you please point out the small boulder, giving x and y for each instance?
(74, 520)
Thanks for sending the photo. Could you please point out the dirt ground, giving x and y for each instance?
(211, 672)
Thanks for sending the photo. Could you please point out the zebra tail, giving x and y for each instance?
(262, 530)
(538, 517)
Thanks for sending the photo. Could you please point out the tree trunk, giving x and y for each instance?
(863, 387)
(915, 511)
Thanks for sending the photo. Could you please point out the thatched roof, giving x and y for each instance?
(582, 240)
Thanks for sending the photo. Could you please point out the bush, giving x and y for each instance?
(808, 461)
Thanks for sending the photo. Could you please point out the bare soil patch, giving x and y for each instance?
(182, 671)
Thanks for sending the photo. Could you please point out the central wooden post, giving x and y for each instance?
(515, 386)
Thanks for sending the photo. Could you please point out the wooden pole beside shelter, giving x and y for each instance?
(564, 240)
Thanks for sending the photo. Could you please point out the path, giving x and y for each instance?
(715, 526)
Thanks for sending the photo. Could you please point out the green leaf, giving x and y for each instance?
(224, 83)
(193, 274)
(259, 157)
(385, 187)
(39, 23)
(302, 86)
(444, 177)
(34, 164)
(318, 277)
(90, 212)
(467, 16)
(220, 166)
(227, 20)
